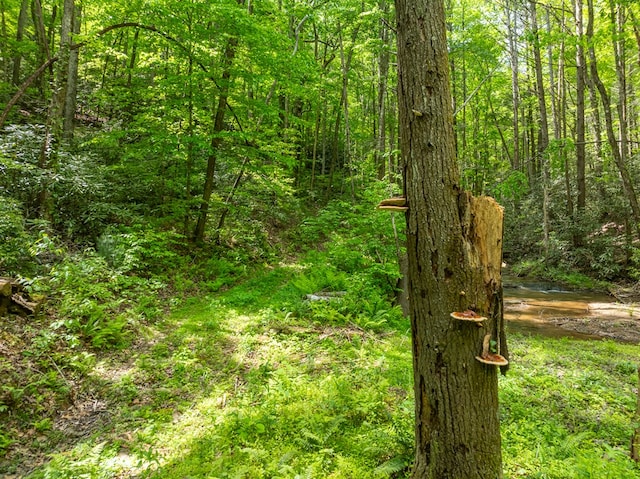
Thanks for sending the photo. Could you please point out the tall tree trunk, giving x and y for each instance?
(552, 84)
(619, 55)
(72, 79)
(44, 52)
(345, 64)
(543, 140)
(316, 136)
(454, 251)
(636, 32)
(216, 139)
(627, 184)
(562, 116)
(383, 75)
(62, 71)
(596, 127)
(190, 141)
(580, 125)
(512, 17)
(343, 111)
(134, 54)
(22, 22)
(5, 51)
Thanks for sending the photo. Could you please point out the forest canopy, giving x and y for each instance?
(176, 113)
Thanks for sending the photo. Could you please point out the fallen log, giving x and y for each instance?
(13, 299)
(5, 287)
(31, 307)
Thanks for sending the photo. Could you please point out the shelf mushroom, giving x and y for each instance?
(488, 357)
(468, 315)
(493, 359)
(398, 203)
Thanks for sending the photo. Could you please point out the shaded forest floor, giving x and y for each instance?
(248, 383)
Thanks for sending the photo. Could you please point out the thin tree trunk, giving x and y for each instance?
(383, 75)
(580, 126)
(345, 64)
(454, 256)
(608, 116)
(72, 79)
(190, 139)
(22, 22)
(496, 124)
(543, 141)
(515, 87)
(314, 159)
(57, 114)
(619, 55)
(562, 115)
(134, 53)
(216, 139)
(596, 127)
(5, 52)
(335, 145)
(552, 84)
(42, 40)
(636, 32)
(234, 188)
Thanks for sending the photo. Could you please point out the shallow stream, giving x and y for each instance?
(548, 310)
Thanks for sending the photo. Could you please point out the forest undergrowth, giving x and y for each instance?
(254, 382)
(231, 372)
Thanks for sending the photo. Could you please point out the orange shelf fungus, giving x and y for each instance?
(468, 315)
(493, 359)
(398, 203)
(490, 358)
(393, 208)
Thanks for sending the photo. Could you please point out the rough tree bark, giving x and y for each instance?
(71, 90)
(454, 246)
(59, 94)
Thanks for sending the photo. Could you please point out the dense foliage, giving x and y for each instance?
(199, 119)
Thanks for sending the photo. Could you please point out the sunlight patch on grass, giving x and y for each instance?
(567, 409)
(239, 386)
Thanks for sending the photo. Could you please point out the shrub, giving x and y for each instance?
(141, 250)
(14, 240)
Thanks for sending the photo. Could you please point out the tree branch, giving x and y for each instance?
(23, 88)
(76, 46)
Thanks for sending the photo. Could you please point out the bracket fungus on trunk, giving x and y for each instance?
(397, 203)
(468, 315)
(488, 357)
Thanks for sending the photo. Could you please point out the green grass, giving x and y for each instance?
(251, 383)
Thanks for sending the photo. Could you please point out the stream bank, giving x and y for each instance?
(550, 310)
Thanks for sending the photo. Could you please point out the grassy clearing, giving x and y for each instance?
(252, 383)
